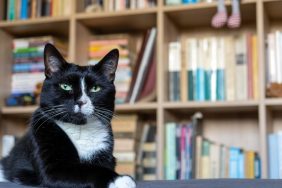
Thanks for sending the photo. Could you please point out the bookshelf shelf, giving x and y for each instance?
(113, 22)
(184, 15)
(38, 26)
(236, 106)
(27, 110)
(122, 108)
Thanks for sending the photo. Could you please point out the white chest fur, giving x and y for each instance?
(87, 139)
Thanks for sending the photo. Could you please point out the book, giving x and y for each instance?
(234, 165)
(8, 142)
(273, 150)
(170, 169)
(174, 66)
(241, 68)
(192, 48)
(143, 66)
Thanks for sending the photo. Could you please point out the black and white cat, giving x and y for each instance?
(70, 140)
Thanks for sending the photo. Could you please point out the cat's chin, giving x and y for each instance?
(78, 119)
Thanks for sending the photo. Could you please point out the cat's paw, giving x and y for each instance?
(123, 182)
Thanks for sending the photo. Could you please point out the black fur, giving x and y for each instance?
(45, 156)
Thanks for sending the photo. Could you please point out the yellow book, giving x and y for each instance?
(249, 165)
(255, 67)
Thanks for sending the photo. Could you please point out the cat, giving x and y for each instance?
(70, 140)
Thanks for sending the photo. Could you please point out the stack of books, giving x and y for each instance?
(147, 153)
(274, 57)
(192, 156)
(99, 48)
(116, 5)
(125, 129)
(135, 81)
(214, 68)
(25, 9)
(275, 155)
(28, 62)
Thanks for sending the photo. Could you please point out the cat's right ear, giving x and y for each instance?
(53, 60)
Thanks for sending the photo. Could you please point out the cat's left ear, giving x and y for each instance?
(108, 64)
(53, 60)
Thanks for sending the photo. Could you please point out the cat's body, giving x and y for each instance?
(70, 141)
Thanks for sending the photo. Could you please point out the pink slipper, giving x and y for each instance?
(219, 19)
(234, 21)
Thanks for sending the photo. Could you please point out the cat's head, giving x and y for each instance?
(75, 94)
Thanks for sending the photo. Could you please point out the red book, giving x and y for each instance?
(148, 91)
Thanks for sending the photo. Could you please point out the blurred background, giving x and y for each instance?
(198, 82)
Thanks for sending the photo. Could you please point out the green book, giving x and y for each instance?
(11, 10)
(170, 170)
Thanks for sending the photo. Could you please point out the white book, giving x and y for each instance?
(241, 68)
(278, 56)
(143, 65)
(8, 142)
(272, 75)
(213, 60)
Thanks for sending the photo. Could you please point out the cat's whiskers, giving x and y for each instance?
(49, 118)
(106, 111)
(46, 115)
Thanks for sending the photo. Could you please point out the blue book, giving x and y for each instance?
(273, 156)
(234, 162)
(200, 84)
(241, 163)
(186, 1)
(257, 167)
(24, 9)
(171, 161)
(279, 149)
(220, 85)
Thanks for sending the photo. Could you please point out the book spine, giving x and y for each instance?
(278, 56)
(234, 162)
(170, 151)
(273, 156)
(205, 160)
(192, 53)
(241, 165)
(24, 9)
(250, 66)
(279, 154)
(11, 10)
(257, 167)
(174, 71)
(220, 71)
(183, 152)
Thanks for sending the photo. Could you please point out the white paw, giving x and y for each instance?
(123, 182)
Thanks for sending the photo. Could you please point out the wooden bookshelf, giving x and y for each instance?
(226, 121)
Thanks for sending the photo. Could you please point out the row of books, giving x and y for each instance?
(214, 68)
(136, 74)
(116, 5)
(179, 2)
(189, 155)
(274, 57)
(135, 147)
(25, 9)
(28, 62)
(275, 155)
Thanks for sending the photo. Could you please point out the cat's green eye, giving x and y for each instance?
(95, 89)
(66, 87)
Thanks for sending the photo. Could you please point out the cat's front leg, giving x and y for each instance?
(123, 181)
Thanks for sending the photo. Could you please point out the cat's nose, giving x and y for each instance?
(80, 103)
